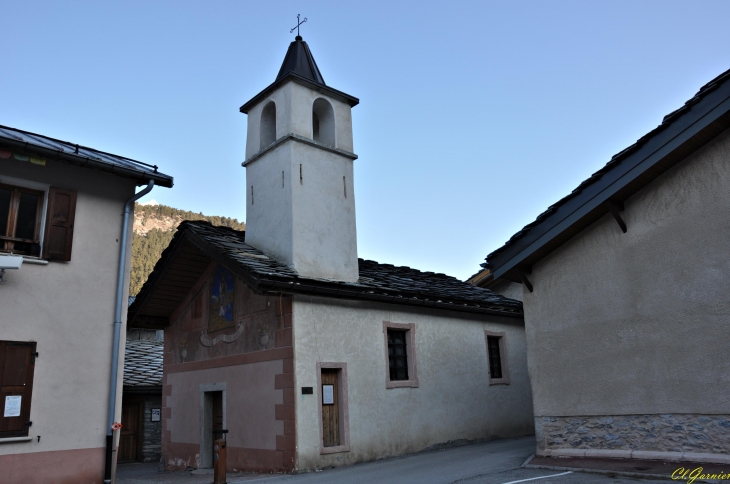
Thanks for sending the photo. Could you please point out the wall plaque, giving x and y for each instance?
(328, 394)
(156, 414)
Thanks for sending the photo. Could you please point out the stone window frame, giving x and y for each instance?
(503, 358)
(343, 410)
(410, 330)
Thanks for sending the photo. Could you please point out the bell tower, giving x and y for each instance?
(300, 199)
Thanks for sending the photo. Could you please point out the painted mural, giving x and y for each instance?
(222, 301)
(223, 317)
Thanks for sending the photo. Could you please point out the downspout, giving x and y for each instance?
(119, 307)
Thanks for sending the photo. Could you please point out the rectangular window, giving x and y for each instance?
(20, 220)
(400, 355)
(497, 358)
(397, 355)
(17, 362)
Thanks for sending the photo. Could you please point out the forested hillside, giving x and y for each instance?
(154, 226)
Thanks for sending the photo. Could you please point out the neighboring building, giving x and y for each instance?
(140, 438)
(307, 355)
(506, 288)
(62, 212)
(626, 297)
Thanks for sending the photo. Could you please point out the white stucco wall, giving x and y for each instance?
(294, 115)
(634, 323)
(307, 222)
(453, 401)
(68, 309)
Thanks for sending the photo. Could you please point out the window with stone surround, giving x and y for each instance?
(400, 355)
(497, 357)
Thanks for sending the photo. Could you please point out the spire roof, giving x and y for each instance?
(299, 66)
(299, 60)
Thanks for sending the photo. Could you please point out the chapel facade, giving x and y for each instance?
(309, 356)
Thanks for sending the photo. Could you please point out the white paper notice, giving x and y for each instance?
(12, 406)
(328, 394)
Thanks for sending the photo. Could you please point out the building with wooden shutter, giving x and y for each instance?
(140, 438)
(625, 285)
(61, 207)
(309, 356)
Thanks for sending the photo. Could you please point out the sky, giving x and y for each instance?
(474, 117)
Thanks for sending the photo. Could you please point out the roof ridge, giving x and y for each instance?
(615, 159)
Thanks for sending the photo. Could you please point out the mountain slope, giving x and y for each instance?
(154, 227)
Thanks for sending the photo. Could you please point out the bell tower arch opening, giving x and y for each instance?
(267, 134)
(323, 122)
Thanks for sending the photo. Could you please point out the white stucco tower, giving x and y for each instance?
(300, 200)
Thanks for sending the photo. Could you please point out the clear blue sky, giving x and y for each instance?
(474, 116)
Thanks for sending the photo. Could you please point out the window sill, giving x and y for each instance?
(28, 259)
(401, 384)
(333, 450)
(14, 440)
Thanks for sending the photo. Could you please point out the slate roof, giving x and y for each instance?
(299, 66)
(299, 60)
(143, 363)
(673, 125)
(378, 282)
(81, 155)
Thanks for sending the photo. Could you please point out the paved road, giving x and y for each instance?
(496, 462)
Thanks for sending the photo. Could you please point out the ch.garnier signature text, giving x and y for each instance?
(690, 475)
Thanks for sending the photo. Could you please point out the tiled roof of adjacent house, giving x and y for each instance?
(377, 282)
(683, 130)
(143, 363)
(81, 155)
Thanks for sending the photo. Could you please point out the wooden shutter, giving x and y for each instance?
(17, 362)
(59, 224)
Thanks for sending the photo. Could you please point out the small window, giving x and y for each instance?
(497, 358)
(197, 311)
(397, 355)
(17, 362)
(20, 220)
(400, 354)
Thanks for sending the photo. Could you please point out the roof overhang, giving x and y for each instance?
(333, 93)
(704, 118)
(143, 174)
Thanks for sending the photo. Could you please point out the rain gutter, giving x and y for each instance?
(117, 331)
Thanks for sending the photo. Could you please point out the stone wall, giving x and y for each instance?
(661, 433)
(151, 431)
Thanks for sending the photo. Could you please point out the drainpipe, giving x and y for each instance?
(118, 329)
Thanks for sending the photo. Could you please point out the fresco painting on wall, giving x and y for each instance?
(221, 301)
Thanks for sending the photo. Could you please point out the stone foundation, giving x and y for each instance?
(660, 433)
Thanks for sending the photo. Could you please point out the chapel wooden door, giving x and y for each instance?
(129, 437)
(217, 416)
(330, 409)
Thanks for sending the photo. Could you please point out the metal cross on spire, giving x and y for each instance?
(298, 24)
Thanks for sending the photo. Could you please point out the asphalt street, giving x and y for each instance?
(496, 462)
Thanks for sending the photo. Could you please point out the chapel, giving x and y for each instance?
(307, 355)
